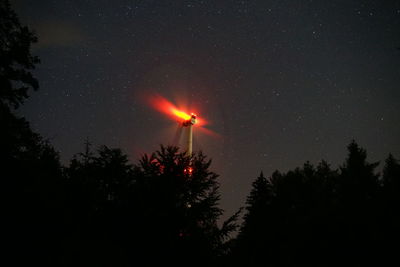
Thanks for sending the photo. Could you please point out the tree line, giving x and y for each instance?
(102, 210)
(319, 216)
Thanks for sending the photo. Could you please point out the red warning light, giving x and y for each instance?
(188, 171)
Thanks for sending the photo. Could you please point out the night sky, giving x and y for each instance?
(280, 81)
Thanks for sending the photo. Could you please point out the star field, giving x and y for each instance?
(281, 81)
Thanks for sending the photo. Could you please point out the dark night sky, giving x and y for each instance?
(282, 81)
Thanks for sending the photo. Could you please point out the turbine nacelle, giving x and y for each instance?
(190, 121)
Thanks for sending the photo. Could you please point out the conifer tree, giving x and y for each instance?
(180, 205)
(257, 231)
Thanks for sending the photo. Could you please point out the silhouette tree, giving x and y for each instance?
(390, 206)
(17, 139)
(301, 210)
(256, 234)
(358, 175)
(165, 207)
(16, 60)
(31, 176)
(30, 167)
(315, 216)
(391, 175)
(180, 208)
(98, 185)
(357, 191)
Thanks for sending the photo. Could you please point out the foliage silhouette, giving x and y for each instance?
(30, 167)
(16, 60)
(154, 210)
(322, 217)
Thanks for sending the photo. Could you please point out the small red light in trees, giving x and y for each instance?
(188, 171)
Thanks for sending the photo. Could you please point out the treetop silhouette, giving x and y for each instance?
(16, 60)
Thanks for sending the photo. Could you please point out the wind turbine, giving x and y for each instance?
(183, 118)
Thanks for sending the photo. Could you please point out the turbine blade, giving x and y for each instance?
(209, 132)
(178, 135)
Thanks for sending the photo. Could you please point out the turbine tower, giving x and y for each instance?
(189, 123)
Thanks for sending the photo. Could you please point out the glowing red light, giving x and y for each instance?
(164, 106)
(188, 171)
